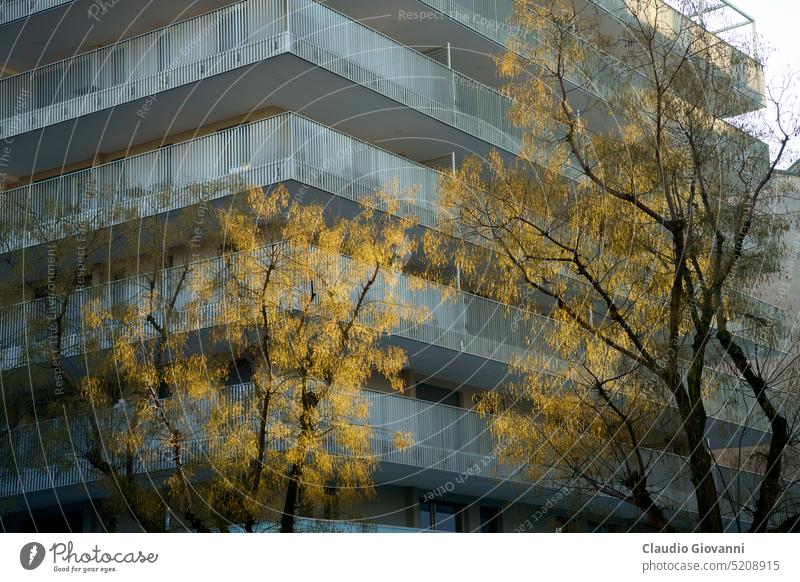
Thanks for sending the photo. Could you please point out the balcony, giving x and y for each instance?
(446, 439)
(287, 147)
(457, 322)
(448, 442)
(37, 33)
(12, 10)
(238, 37)
(599, 76)
(741, 68)
(278, 149)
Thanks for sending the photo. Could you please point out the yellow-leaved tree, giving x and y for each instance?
(632, 216)
(304, 301)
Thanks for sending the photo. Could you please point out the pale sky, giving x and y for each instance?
(777, 27)
(776, 24)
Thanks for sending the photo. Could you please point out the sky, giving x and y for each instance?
(777, 29)
(776, 25)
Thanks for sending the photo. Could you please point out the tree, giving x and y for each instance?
(144, 327)
(633, 236)
(301, 298)
(111, 346)
(306, 301)
(48, 245)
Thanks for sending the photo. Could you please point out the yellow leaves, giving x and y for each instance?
(270, 207)
(306, 299)
(490, 403)
(92, 391)
(94, 316)
(403, 440)
(391, 364)
(509, 65)
(193, 377)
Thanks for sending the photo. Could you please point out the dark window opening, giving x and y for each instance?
(438, 395)
(241, 372)
(441, 516)
(596, 527)
(50, 520)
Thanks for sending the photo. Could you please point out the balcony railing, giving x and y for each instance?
(599, 72)
(262, 153)
(11, 10)
(742, 68)
(455, 320)
(445, 438)
(242, 34)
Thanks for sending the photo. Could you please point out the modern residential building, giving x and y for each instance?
(105, 105)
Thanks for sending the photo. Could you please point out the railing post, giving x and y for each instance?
(292, 123)
(452, 83)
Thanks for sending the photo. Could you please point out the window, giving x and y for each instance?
(441, 516)
(240, 373)
(438, 395)
(490, 519)
(163, 390)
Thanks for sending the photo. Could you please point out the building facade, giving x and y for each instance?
(104, 106)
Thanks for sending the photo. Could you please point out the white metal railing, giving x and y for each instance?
(455, 320)
(262, 153)
(741, 67)
(445, 438)
(453, 440)
(242, 34)
(599, 72)
(721, 18)
(11, 10)
(144, 65)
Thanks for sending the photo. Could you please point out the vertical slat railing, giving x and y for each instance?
(11, 10)
(256, 154)
(450, 439)
(454, 320)
(135, 68)
(241, 34)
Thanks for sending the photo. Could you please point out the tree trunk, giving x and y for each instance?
(710, 518)
(700, 464)
(257, 465)
(771, 487)
(290, 504)
(641, 498)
